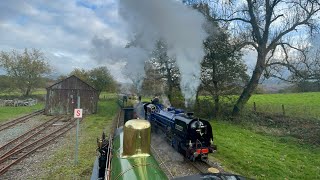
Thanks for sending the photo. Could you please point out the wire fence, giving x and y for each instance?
(206, 107)
(300, 111)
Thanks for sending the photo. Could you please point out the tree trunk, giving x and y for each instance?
(197, 106)
(170, 92)
(253, 83)
(216, 98)
(28, 91)
(216, 105)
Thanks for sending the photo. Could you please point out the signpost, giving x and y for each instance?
(77, 114)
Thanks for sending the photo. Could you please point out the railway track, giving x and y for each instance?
(19, 120)
(202, 166)
(16, 150)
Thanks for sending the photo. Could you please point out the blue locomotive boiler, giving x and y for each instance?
(189, 135)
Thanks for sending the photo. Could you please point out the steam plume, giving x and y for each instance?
(180, 26)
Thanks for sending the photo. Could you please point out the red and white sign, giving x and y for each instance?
(77, 113)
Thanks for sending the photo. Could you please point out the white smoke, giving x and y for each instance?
(147, 21)
(180, 26)
(131, 59)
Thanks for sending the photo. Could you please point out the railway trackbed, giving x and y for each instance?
(19, 120)
(19, 148)
(202, 166)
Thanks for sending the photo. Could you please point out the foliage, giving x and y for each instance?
(304, 85)
(152, 84)
(100, 78)
(25, 69)
(80, 73)
(162, 69)
(6, 83)
(222, 70)
(260, 156)
(205, 106)
(177, 99)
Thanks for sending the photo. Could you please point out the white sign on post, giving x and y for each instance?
(77, 113)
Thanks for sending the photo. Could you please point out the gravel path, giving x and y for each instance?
(31, 167)
(169, 159)
(21, 128)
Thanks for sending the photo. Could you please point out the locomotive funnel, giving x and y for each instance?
(136, 138)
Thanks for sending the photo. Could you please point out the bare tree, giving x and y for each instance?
(271, 28)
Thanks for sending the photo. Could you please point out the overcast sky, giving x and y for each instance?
(62, 29)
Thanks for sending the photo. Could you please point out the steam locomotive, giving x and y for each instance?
(189, 135)
(126, 154)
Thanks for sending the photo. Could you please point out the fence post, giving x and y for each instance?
(283, 111)
(254, 107)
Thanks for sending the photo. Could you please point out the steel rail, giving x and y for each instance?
(4, 169)
(162, 162)
(20, 119)
(4, 158)
(27, 138)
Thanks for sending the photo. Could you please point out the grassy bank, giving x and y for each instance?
(261, 156)
(61, 165)
(9, 112)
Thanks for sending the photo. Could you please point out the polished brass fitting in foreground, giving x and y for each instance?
(136, 138)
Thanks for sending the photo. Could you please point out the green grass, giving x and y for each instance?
(9, 112)
(61, 166)
(295, 104)
(105, 95)
(261, 156)
(305, 105)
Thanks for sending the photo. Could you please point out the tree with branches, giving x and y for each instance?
(271, 28)
(166, 68)
(25, 69)
(223, 72)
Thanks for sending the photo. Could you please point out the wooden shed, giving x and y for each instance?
(62, 97)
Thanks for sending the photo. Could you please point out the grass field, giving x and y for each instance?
(8, 112)
(295, 104)
(264, 157)
(61, 166)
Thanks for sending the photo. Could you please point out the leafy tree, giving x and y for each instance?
(267, 26)
(222, 70)
(166, 67)
(6, 83)
(152, 83)
(26, 69)
(102, 80)
(80, 73)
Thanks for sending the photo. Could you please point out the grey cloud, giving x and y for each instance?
(54, 27)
